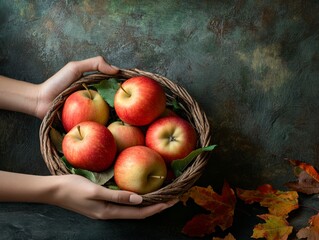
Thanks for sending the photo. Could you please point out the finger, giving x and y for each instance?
(130, 212)
(92, 64)
(118, 196)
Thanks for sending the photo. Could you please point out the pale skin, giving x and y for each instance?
(71, 192)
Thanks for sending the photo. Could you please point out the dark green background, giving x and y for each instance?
(252, 66)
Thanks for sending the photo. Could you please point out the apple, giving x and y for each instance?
(84, 105)
(139, 101)
(172, 137)
(139, 169)
(126, 135)
(89, 145)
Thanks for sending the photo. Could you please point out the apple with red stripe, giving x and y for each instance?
(84, 105)
(139, 101)
(89, 145)
(172, 137)
(139, 169)
(126, 135)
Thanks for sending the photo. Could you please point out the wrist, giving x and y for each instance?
(17, 95)
(48, 189)
(16, 187)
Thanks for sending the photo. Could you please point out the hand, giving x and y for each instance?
(80, 195)
(71, 72)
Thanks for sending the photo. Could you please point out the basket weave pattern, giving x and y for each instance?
(191, 108)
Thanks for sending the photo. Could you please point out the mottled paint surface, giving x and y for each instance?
(252, 65)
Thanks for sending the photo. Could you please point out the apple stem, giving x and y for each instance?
(124, 90)
(172, 139)
(87, 89)
(156, 176)
(79, 130)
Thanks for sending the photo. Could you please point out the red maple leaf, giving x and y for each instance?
(220, 207)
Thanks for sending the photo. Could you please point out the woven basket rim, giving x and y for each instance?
(192, 109)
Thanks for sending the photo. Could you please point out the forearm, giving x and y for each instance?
(18, 95)
(16, 187)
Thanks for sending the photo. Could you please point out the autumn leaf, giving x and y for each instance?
(220, 207)
(306, 167)
(279, 203)
(200, 225)
(275, 228)
(307, 178)
(310, 232)
(228, 237)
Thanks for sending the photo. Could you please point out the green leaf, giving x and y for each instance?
(176, 105)
(179, 165)
(107, 89)
(98, 178)
(112, 186)
(56, 138)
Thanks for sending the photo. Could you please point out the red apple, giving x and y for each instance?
(139, 101)
(172, 137)
(126, 135)
(139, 169)
(89, 145)
(84, 105)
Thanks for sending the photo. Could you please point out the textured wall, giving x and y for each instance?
(252, 65)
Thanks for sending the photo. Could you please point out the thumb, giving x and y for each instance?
(119, 196)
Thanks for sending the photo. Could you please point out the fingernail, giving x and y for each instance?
(135, 199)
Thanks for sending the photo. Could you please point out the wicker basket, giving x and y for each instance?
(190, 107)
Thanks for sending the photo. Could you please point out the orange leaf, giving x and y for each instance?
(221, 208)
(275, 228)
(279, 203)
(306, 167)
(228, 237)
(312, 231)
(307, 178)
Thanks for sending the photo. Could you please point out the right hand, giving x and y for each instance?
(80, 195)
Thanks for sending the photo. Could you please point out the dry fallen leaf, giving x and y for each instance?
(275, 228)
(221, 208)
(308, 178)
(306, 167)
(310, 232)
(279, 203)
